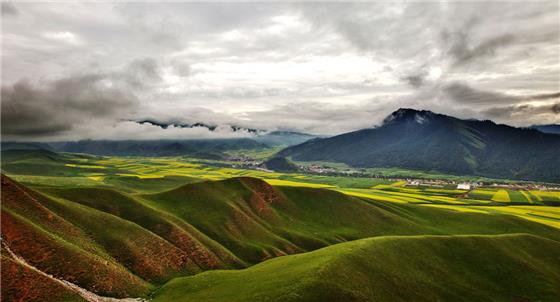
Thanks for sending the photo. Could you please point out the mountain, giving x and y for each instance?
(127, 245)
(284, 138)
(273, 138)
(24, 146)
(551, 128)
(207, 148)
(200, 148)
(424, 140)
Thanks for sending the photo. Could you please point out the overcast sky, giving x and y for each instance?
(91, 70)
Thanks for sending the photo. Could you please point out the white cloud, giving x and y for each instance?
(345, 64)
(63, 36)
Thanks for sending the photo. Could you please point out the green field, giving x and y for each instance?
(181, 229)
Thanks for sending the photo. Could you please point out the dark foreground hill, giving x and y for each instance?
(121, 245)
(416, 268)
(424, 140)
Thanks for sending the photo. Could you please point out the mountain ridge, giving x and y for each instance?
(424, 140)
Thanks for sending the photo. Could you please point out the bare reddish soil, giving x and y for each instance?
(21, 284)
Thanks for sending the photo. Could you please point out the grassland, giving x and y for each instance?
(146, 223)
(469, 268)
(137, 175)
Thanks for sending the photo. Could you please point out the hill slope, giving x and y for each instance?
(124, 245)
(424, 140)
(551, 128)
(20, 283)
(111, 254)
(418, 268)
(283, 138)
(257, 221)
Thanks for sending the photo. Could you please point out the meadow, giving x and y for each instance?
(184, 229)
(141, 175)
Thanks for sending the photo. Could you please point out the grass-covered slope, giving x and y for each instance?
(125, 245)
(36, 162)
(201, 250)
(417, 268)
(48, 241)
(257, 221)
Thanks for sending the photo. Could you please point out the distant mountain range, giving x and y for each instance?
(200, 148)
(424, 140)
(408, 138)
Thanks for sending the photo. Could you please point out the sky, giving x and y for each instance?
(99, 70)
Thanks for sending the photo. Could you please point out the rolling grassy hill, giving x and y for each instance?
(416, 268)
(122, 244)
(423, 140)
(257, 221)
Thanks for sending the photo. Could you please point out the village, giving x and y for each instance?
(245, 162)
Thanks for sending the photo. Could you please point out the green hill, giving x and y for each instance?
(40, 162)
(126, 245)
(257, 221)
(417, 268)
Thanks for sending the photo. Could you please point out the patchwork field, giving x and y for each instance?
(137, 175)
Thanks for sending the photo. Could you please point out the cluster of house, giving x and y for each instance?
(318, 169)
(244, 162)
(526, 186)
(474, 185)
(443, 182)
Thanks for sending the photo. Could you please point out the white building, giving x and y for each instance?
(464, 186)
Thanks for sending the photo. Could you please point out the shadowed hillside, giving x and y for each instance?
(417, 268)
(423, 140)
(257, 221)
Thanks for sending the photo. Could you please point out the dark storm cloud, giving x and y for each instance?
(486, 48)
(9, 9)
(463, 93)
(545, 96)
(464, 50)
(29, 110)
(417, 79)
(522, 110)
(144, 71)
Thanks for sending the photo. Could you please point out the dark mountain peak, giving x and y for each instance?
(409, 115)
(427, 141)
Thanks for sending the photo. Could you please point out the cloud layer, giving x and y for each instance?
(86, 70)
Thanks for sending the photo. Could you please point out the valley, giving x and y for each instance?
(280, 151)
(180, 228)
